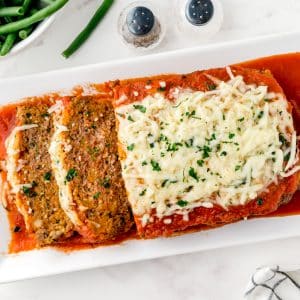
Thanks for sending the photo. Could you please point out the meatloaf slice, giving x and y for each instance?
(207, 148)
(85, 161)
(30, 173)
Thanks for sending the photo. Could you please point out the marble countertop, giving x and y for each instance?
(215, 274)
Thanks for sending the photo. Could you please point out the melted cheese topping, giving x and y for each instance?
(223, 146)
(12, 162)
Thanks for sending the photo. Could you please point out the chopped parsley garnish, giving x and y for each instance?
(182, 203)
(193, 174)
(106, 183)
(206, 151)
(155, 165)
(163, 184)
(200, 162)
(129, 118)
(144, 163)
(47, 176)
(151, 145)
(223, 153)
(259, 201)
(238, 167)
(161, 89)
(287, 156)
(143, 192)
(190, 114)
(282, 139)
(72, 173)
(231, 135)
(130, 147)
(141, 108)
(210, 86)
(168, 181)
(162, 138)
(213, 137)
(29, 192)
(189, 143)
(241, 119)
(260, 114)
(96, 196)
(174, 147)
(188, 189)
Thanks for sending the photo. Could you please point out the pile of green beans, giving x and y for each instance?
(18, 18)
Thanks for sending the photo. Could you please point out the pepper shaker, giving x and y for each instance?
(141, 26)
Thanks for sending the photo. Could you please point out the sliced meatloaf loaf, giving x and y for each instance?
(30, 174)
(86, 166)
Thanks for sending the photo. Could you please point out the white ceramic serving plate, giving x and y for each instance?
(50, 261)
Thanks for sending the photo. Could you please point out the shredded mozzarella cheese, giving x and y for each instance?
(56, 107)
(223, 147)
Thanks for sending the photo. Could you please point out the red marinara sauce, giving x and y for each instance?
(286, 70)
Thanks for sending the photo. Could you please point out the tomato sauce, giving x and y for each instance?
(286, 70)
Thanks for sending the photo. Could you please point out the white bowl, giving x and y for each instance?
(37, 32)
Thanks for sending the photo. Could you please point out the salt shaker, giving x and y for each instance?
(199, 18)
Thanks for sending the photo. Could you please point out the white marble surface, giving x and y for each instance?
(217, 274)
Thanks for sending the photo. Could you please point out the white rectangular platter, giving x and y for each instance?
(50, 261)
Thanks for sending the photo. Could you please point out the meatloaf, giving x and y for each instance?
(30, 173)
(86, 166)
(207, 148)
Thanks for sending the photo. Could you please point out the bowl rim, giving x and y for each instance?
(37, 32)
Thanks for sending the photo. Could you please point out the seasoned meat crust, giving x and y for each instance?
(37, 199)
(88, 157)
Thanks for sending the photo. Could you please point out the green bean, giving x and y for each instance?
(8, 43)
(24, 33)
(33, 11)
(48, 2)
(26, 5)
(17, 2)
(87, 31)
(6, 19)
(11, 11)
(37, 17)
